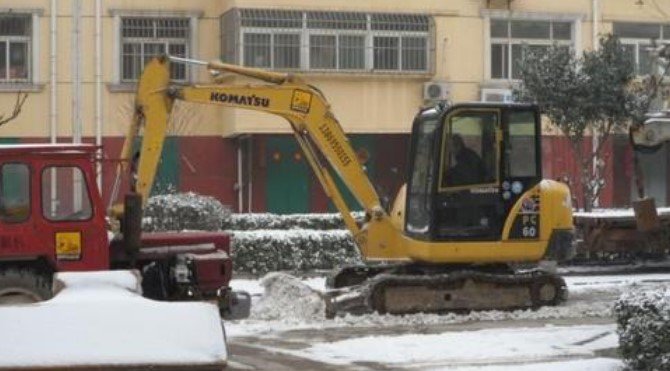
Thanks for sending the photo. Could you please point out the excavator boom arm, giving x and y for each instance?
(316, 129)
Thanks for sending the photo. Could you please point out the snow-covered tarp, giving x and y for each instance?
(100, 319)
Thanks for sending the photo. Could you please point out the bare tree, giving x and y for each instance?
(20, 100)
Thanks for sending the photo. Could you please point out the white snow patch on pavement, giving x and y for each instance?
(100, 319)
(593, 364)
(469, 348)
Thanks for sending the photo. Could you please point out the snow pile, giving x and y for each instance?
(176, 212)
(98, 319)
(490, 346)
(644, 329)
(288, 297)
(262, 251)
(317, 221)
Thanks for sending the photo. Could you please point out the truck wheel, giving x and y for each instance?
(23, 286)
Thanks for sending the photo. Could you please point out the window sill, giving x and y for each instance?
(25, 87)
(122, 87)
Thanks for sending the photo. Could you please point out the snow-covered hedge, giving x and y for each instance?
(177, 212)
(262, 251)
(259, 221)
(643, 320)
(261, 243)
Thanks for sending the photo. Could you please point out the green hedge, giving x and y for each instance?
(643, 320)
(259, 252)
(184, 211)
(261, 243)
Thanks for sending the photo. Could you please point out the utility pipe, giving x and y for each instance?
(53, 110)
(98, 88)
(240, 188)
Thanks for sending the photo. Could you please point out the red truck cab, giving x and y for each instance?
(52, 219)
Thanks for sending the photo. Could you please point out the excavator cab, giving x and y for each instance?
(470, 164)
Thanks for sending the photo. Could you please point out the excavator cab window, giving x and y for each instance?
(14, 193)
(470, 150)
(419, 198)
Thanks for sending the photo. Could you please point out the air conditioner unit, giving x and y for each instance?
(497, 95)
(436, 90)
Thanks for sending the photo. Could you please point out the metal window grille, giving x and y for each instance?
(637, 39)
(15, 47)
(270, 18)
(327, 41)
(510, 38)
(336, 21)
(144, 38)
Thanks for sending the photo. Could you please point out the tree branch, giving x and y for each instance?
(20, 99)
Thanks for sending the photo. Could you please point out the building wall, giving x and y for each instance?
(374, 104)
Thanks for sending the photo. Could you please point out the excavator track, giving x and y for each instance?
(457, 291)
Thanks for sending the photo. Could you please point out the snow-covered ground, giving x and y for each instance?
(573, 335)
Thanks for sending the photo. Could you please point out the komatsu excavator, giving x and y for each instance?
(467, 233)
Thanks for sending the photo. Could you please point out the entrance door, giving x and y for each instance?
(288, 177)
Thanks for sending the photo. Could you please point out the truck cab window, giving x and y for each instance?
(14, 193)
(65, 194)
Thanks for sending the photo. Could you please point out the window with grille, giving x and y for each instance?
(15, 45)
(327, 41)
(510, 39)
(144, 38)
(637, 39)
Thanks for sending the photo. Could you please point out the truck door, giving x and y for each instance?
(72, 225)
(15, 204)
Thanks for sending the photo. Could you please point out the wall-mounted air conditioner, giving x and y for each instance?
(497, 95)
(436, 90)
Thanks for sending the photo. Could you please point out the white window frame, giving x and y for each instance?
(368, 46)
(638, 43)
(337, 34)
(192, 46)
(272, 33)
(505, 15)
(33, 44)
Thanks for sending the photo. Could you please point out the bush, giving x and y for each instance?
(643, 320)
(260, 221)
(177, 212)
(259, 252)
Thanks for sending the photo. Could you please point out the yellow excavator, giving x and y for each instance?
(468, 230)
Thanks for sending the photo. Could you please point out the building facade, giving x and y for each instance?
(377, 62)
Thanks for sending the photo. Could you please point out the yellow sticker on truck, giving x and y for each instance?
(68, 245)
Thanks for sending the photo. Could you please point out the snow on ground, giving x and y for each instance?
(589, 296)
(469, 348)
(593, 364)
(100, 319)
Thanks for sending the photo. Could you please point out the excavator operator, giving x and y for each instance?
(468, 167)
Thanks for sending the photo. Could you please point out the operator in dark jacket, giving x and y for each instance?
(469, 167)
